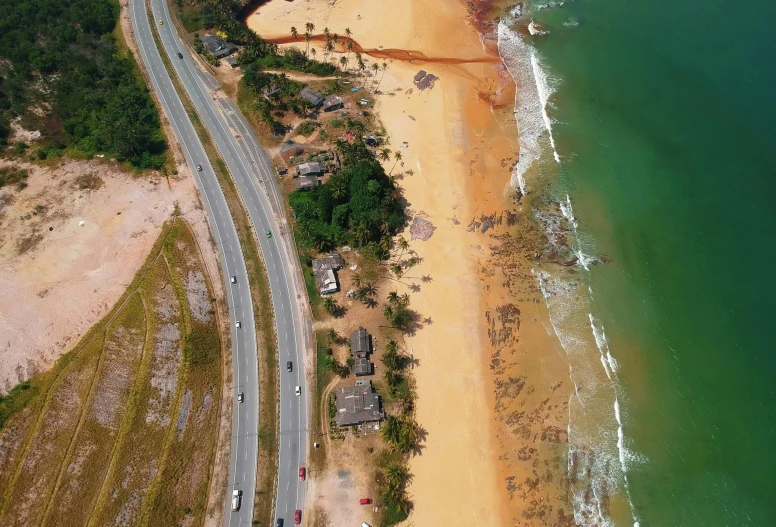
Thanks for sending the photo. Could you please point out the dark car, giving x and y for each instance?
(279, 522)
(180, 55)
(289, 366)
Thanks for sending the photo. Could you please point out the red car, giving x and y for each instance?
(365, 501)
(302, 474)
(298, 517)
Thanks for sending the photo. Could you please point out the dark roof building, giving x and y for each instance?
(309, 169)
(323, 271)
(232, 61)
(357, 404)
(219, 47)
(306, 182)
(360, 343)
(362, 367)
(331, 103)
(311, 96)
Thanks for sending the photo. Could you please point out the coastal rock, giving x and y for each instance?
(535, 28)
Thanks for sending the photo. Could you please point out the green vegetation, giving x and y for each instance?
(397, 311)
(392, 478)
(358, 206)
(61, 72)
(11, 176)
(307, 127)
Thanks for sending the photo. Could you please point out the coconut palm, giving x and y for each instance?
(397, 157)
(391, 347)
(357, 279)
(313, 53)
(294, 32)
(349, 45)
(393, 298)
(310, 27)
(307, 38)
(390, 429)
(330, 305)
(375, 68)
(396, 475)
(343, 62)
(385, 154)
(339, 187)
(384, 67)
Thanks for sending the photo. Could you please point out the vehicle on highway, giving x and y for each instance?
(289, 366)
(199, 168)
(161, 21)
(298, 390)
(298, 517)
(180, 55)
(240, 397)
(236, 499)
(302, 473)
(279, 522)
(268, 233)
(233, 279)
(237, 324)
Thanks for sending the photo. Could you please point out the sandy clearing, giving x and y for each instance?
(73, 273)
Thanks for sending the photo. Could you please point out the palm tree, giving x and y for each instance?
(397, 157)
(396, 475)
(385, 154)
(391, 429)
(375, 68)
(307, 38)
(391, 361)
(343, 62)
(310, 27)
(329, 47)
(409, 434)
(326, 31)
(391, 347)
(294, 32)
(313, 53)
(393, 298)
(348, 33)
(384, 67)
(339, 187)
(330, 305)
(349, 45)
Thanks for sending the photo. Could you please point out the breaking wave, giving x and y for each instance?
(598, 456)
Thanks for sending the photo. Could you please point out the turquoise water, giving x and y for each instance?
(664, 118)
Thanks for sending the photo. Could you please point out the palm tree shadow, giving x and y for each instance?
(422, 438)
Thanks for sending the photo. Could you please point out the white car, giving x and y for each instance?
(298, 390)
(199, 168)
(236, 499)
(240, 397)
(233, 279)
(237, 324)
(364, 524)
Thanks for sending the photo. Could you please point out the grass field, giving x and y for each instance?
(122, 430)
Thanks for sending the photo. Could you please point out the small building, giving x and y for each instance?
(311, 96)
(331, 103)
(357, 405)
(306, 182)
(313, 168)
(362, 367)
(219, 47)
(419, 75)
(360, 343)
(232, 61)
(324, 273)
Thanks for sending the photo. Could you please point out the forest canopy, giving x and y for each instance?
(60, 71)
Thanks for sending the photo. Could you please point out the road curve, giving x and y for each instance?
(245, 365)
(252, 173)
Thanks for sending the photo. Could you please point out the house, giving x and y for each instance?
(306, 182)
(419, 75)
(219, 47)
(324, 273)
(360, 343)
(311, 96)
(357, 404)
(312, 168)
(331, 103)
(362, 367)
(271, 91)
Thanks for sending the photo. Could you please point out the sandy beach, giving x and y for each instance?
(493, 403)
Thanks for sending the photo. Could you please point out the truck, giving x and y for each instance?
(236, 499)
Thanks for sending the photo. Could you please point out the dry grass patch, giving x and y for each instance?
(29, 489)
(87, 463)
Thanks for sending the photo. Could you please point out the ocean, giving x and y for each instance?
(648, 133)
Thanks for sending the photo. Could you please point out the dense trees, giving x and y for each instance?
(357, 206)
(60, 54)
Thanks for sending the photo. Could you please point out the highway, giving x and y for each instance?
(253, 175)
(245, 365)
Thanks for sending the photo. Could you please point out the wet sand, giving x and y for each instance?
(492, 382)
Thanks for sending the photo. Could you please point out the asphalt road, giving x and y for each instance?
(245, 366)
(253, 175)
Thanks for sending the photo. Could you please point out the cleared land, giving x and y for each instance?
(122, 430)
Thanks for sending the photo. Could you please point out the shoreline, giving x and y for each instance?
(496, 363)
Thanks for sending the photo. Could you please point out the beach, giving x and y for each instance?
(492, 384)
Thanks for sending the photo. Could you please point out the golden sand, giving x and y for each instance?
(491, 399)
